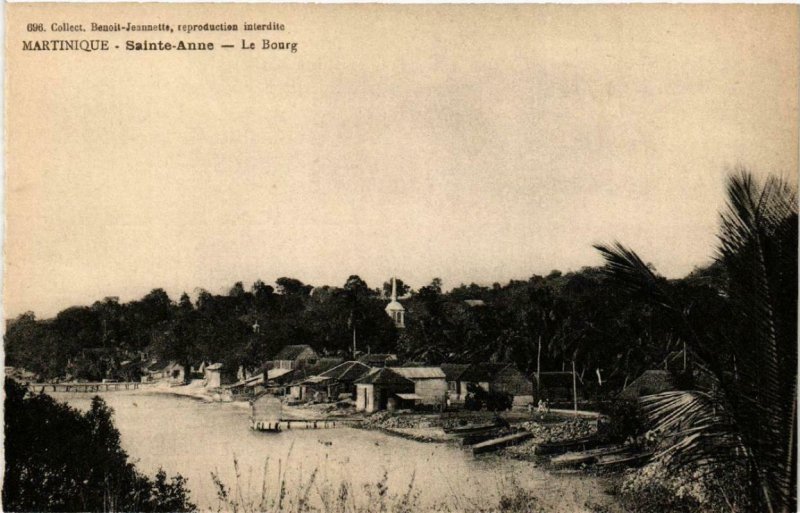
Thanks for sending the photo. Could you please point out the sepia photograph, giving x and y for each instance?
(384, 258)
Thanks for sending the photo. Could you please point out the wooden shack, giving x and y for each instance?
(498, 377)
(332, 383)
(430, 385)
(380, 389)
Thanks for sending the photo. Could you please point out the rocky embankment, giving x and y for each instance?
(429, 428)
(550, 432)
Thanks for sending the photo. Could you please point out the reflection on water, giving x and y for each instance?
(193, 438)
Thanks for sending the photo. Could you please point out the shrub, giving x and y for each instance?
(625, 418)
(59, 459)
(478, 399)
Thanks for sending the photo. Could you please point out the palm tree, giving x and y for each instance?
(745, 409)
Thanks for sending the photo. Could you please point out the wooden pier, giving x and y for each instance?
(292, 424)
(83, 387)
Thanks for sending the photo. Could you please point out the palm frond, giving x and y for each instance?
(750, 409)
(625, 267)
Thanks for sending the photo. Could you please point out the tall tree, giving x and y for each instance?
(748, 405)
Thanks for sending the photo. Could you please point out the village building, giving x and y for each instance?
(379, 359)
(156, 371)
(329, 385)
(250, 385)
(129, 370)
(557, 387)
(452, 373)
(176, 373)
(498, 378)
(278, 381)
(198, 369)
(216, 376)
(294, 357)
(430, 385)
(395, 310)
(291, 383)
(382, 389)
(20, 374)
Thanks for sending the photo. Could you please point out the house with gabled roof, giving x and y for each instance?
(379, 359)
(382, 389)
(295, 356)
(452, 374)
(430, 385)
(498, 377)
(329, 385)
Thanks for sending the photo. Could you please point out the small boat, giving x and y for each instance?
(499, 443)
(586, 457)
(471, 428)
(562, 446)
(476, 438)
(474, 428)
(625, 459)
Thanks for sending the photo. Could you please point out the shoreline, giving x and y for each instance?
(409, 430)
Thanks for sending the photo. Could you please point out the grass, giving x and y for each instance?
(315, 494)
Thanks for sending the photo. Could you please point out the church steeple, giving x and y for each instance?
(395, 309)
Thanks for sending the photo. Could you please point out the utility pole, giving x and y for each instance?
(574, 389)
(539, 368)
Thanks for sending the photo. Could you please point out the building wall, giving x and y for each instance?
(432, 391)
(214, 378)
(454, 392)
(365, 398)
(512, 381)
(307, 356)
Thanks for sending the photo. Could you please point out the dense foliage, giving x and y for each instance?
(544, 322)
(59, 459)
(740, 411)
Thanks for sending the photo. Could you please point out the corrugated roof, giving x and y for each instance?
(420, 372)
(383, 376)
(347, 371)
(291, 352)
(277, 373)
(317, 379)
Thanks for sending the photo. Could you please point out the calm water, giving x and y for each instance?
(193, 438)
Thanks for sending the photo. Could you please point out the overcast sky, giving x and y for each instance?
(475, 143)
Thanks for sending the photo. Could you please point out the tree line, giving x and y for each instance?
(544, 322)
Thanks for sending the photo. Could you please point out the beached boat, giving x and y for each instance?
(469, 429)
(572, 459)
(499, 443)
(562, 446)
(476, 438)
(625, 459)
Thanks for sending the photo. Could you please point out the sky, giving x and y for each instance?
(471, 143)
